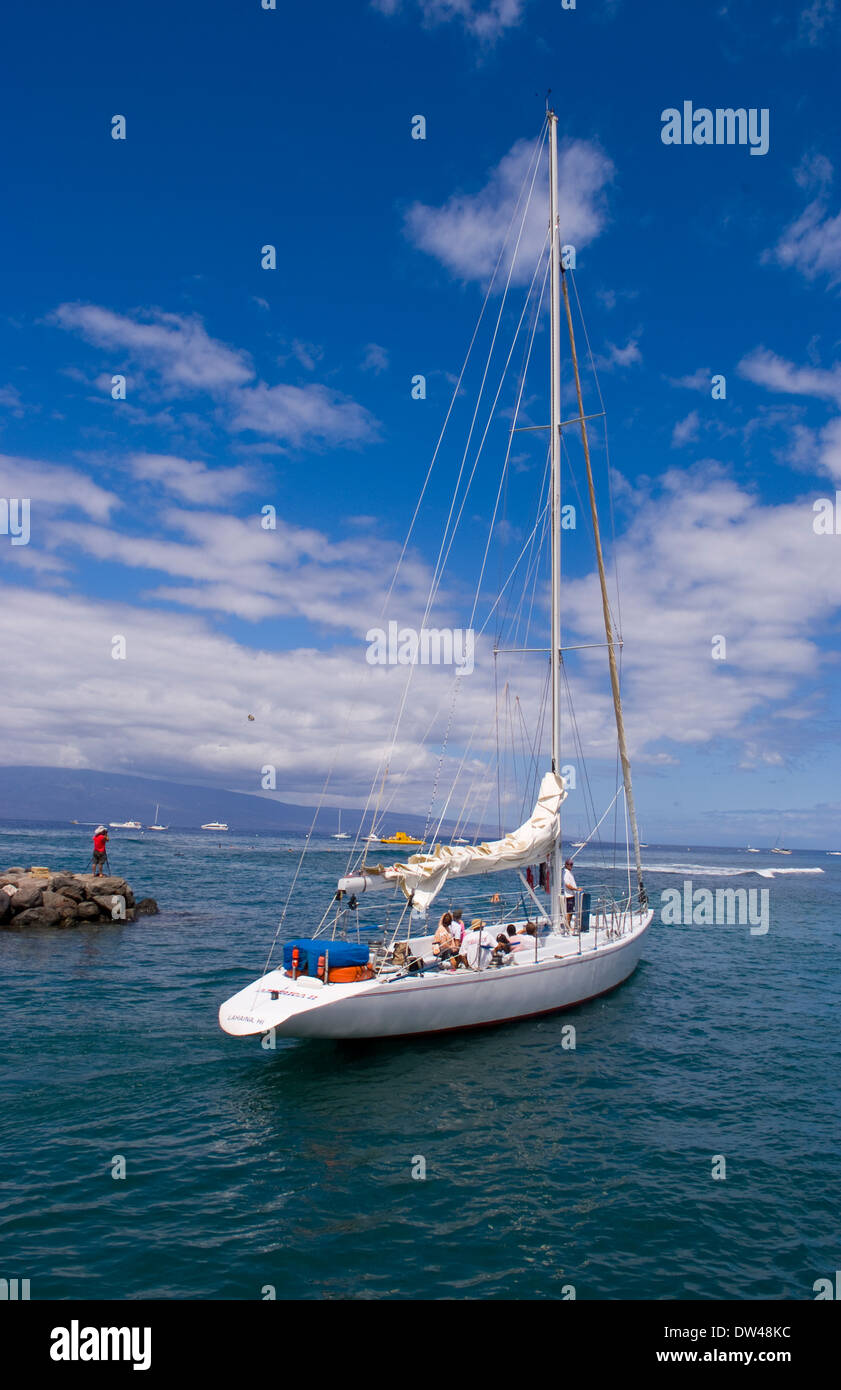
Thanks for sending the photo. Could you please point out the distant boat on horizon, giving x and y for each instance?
(215, 825)
(401, 838)
(156, 826)
(340, 833)
(124, 825)
(750, 850)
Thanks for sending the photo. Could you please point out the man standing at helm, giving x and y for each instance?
(570, 889)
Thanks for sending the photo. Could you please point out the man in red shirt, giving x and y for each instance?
(100, 841)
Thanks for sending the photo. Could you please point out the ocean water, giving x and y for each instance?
(546, 1167)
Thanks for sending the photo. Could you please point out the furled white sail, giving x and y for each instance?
(425, 874)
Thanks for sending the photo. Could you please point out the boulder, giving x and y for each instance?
(36, 917)
(147, 907)
(59, 882)
(16, 870)
(5, 907)
(87, 912)
(104, 886)
(65, 906)
(30, 894)
(106, 907)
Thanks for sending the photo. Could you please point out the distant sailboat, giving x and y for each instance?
(156, 826)
(750, 850)
(340, 833)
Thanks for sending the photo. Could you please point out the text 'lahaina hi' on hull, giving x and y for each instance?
(341, 982)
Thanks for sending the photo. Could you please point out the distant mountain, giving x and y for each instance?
(61, 793)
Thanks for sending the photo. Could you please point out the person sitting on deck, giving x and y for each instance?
(501, 951)
(444, 944)
(458, 928)
(515, 940)
(476, 946)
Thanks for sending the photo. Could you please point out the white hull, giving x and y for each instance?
(439, 1001)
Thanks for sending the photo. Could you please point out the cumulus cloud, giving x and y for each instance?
(376, 359)
(694, 564)
(177, 348)
(686, 430)
(468, 231)
(183, 359)
(699, 380)
(485, 20)
(812, 243)
(297, 414)
(191, 480)
(765, 368)
(815, 20)
(627, 356)
(54, 488)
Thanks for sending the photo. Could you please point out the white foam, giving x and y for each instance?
(721, 870)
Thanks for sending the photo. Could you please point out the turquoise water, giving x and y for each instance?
(545, 1167)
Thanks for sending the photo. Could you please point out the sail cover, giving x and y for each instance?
(425, 874)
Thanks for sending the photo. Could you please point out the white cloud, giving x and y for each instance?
(814, 171)
(812, 243)
(686, 430)
(484, 21)
(817, 17)
(52, 487)
(10, 399)
(303, 413)
(177, 348)
(694, 564)
(468, 231)
(765, 368)
(376, 359)
(699, 380)
(191, 480)
(186, 360)
(234, 566)
(627, 356)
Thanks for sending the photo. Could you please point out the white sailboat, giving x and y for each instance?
(340, 833)
(329, 987)
(156, 826)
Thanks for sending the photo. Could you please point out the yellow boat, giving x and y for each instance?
(401, 838)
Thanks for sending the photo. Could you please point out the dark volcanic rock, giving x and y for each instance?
(5, 906)
(87, 912)
(147, 907)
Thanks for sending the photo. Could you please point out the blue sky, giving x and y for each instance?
(291, 387)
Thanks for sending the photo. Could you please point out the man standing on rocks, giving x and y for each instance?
(100, 853)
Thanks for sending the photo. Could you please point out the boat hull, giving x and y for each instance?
(434, 1003)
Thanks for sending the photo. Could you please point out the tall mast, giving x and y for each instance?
(555, 460)
(608, 623)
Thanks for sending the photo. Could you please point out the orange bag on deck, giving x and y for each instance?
(349, 974)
